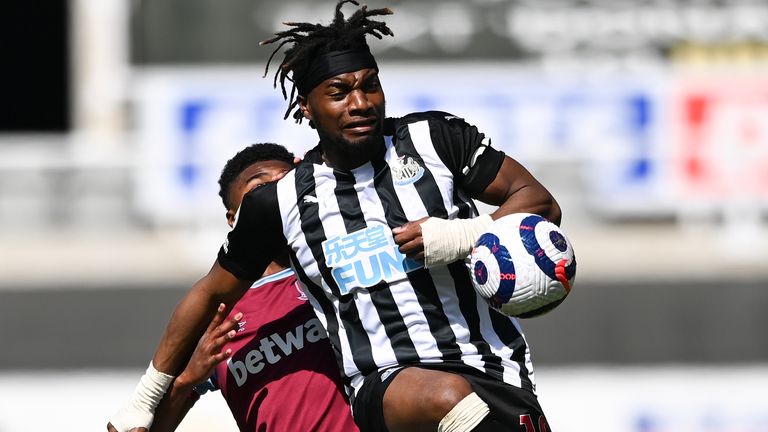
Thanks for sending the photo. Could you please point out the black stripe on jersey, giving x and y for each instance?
(512, 338)
(349, 204)
(426, 186)
(314, 234)
(381, 296)
(426, 293)
(468, 306)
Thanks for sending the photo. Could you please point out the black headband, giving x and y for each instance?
(331, 64)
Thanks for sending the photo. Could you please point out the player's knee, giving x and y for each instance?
(448, 391)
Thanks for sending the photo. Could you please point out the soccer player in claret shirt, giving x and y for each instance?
(271, 359)
(379, 219)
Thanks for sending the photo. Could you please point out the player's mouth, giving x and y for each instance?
(361, 127)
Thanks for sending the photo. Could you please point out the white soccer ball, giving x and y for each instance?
(523, 265)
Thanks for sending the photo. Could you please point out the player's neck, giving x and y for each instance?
(273, 268)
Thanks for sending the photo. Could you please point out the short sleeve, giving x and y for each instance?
(257, 236)
(466, 151)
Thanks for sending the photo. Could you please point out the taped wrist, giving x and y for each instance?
(446, 241)
(467, 414)
(140, 409)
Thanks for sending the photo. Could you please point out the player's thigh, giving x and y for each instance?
(417, 399)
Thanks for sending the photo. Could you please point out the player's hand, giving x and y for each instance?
(409, 238)
(208, 352)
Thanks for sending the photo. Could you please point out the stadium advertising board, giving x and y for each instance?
(640, 145)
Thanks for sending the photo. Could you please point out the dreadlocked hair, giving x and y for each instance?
(310, 40)
(245, 158)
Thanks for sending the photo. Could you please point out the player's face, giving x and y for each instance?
(348, 113)
(256, 174)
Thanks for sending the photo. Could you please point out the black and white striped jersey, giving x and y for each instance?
(379, 308)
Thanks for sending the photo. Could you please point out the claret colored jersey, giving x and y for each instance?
(381, 309)
(282, 375)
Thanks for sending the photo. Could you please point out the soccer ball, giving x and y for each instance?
(523, 265)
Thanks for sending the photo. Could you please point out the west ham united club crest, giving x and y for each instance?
(406, 171)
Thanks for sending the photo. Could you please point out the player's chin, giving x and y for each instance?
(362, 141)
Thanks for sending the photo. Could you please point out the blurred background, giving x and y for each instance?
(647, 120)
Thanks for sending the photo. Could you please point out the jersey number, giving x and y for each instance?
(527, 421)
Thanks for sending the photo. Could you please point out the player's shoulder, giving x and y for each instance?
(434, 118)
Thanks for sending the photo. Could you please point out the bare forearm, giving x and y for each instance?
(187, 324)
(192, 315)
(177, 402)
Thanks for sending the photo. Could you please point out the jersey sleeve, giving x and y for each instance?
(466, 151)
(257, 236)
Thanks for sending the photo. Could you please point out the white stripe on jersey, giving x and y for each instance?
(407, 193)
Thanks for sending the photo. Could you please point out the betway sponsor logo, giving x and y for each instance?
(273, 348)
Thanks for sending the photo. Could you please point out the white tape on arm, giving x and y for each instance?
(446, 241)
(140, 410)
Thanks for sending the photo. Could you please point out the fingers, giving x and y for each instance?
(210, 349)
(219, 326)
(218, 318)
(402, 228)
(408, 238)
(220, 357)
(223, 333)
(230, 325)
(412, 247)
(409, 230)
(215, 345)
(404, 234)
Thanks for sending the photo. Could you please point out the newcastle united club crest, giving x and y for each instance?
(406, 171)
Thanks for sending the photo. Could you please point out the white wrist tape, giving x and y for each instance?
(467, 414)
(140, 409)
(446, 241)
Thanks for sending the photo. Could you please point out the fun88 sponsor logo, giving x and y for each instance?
(365, 257)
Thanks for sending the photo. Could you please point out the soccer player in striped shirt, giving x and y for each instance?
(271, 360)
(378, 220)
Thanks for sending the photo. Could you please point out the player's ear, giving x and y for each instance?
(231, 218)
(304, 107)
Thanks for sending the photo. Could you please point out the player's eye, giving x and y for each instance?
(372, 85)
